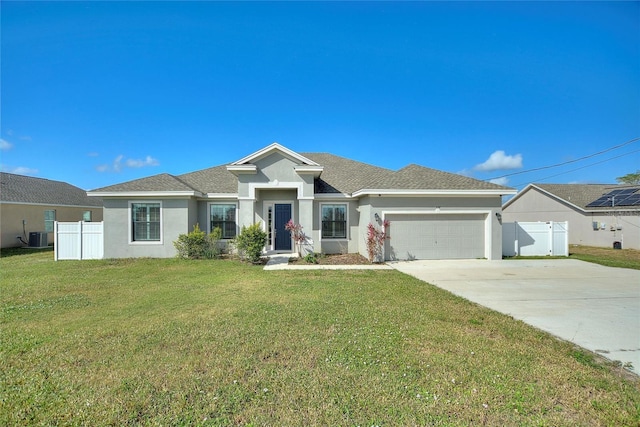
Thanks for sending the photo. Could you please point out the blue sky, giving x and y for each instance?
(96, 93)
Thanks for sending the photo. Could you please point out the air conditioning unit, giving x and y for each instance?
(37, 239)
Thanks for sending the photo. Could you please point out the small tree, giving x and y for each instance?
(297, 234)
(630, 178)
(375, 241)
(250, 242)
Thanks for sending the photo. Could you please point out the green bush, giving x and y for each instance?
(250, 242)
(311, 258)
(197, 244)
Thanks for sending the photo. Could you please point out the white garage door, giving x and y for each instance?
(430, 236)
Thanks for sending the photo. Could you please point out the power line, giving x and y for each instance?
(582, 167)
(631, 141)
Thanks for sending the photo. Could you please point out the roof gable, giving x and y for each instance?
(271, 149)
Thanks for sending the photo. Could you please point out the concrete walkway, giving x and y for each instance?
(281, 262)
(595, 307)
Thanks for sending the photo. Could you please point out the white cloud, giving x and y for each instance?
(5, 145)
(500, 181)
(498, 160)
(120, 162)
(148, 161)
(20, 170)
(117, 163)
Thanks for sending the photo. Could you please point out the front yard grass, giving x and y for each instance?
(622, 258)
(176, 342)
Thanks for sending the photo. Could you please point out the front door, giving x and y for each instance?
(283, 237)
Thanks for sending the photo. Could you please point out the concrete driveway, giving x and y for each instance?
(595, 307)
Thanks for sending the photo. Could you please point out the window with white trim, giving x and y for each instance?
(223, 216)
(49, 219)
(334, 221)
(145, 222)
(86, 216)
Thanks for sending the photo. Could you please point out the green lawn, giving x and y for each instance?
(174, 342)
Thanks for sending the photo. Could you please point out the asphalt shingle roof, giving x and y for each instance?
(419, 177)
(340, 175)
(161, 182)
(26, 189)
(583, 194)
(212, 180)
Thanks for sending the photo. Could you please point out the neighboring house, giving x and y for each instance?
(33, 204)
(433, 214)
(598, 214)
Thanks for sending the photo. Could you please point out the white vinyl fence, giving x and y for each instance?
(78, 240)
(535, 238)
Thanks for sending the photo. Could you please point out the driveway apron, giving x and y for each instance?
(595, 307)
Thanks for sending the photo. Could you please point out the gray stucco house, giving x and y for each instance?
(433, 214)
(595, 219)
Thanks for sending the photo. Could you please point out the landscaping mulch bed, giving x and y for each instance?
(333, 259)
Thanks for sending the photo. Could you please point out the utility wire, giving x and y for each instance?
(581, 167)
(631, 141)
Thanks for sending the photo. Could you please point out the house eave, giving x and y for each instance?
(11, 202)
(242, 169)
(309, 170)
(332, 196)
(130, 194)
(439, 192)
(221, 196)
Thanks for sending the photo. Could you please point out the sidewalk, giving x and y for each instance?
(281, 262)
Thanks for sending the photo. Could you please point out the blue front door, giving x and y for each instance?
(283, 237)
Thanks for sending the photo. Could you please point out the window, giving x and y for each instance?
(49, 219)
(334, 221)
(270, 226)
(224, 217)
(86, 216)
(145, 219)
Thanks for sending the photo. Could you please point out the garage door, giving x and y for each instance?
(429, 236)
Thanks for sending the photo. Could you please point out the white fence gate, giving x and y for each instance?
(535, 238)
(78, 240)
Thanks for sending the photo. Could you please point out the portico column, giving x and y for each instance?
(305, 219)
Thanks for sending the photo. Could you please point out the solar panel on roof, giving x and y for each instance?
(619, 197)
(633, 200)
(602, 201)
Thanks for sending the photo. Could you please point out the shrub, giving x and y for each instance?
(375, 241)
(197, 244)
(311, 258)
(250, 242)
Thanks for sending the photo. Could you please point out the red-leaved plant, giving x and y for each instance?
(297, 234)
(375, 241)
